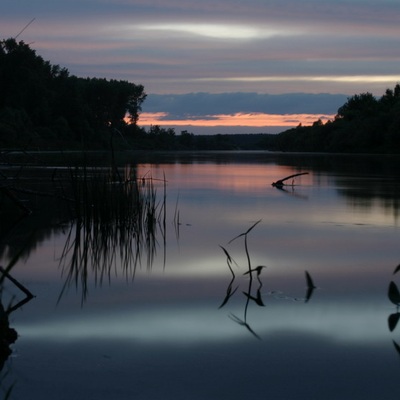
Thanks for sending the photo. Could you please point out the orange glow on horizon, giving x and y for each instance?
(240, 119)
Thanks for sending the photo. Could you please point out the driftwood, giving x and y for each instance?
(280, 183)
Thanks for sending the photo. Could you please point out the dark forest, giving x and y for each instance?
(44, 107)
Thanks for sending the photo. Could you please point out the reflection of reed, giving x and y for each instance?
(394, 297)
(397, 269)
(8, 335)
(310, 287)
(258, 270)
(393, 319)
(397, 347)
(229, 292)
(244, 323)
(250, 296)
(257, 300)
(250, 271)
(393, 294)
(116, 223)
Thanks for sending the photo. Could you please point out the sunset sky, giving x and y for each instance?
(221, 66)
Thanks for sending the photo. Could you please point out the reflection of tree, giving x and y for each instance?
(366, 193)
(111, 220)
(13, 214)
(366, 180)
(30, 208)
(9, 335)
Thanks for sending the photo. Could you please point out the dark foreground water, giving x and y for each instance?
(181, 326)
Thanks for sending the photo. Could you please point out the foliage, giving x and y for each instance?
(364, 124)
(42, 105)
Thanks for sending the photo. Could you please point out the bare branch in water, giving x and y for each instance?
(280, 183)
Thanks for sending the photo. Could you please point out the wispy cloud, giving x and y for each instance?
(225, 46)
(222, 31)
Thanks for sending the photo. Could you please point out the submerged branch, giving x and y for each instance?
(280, 182)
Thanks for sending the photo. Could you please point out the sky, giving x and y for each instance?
(221, 66)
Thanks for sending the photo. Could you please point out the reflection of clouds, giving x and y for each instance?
(220, 200)
(250, 184)
(242, 178)
(347, 322)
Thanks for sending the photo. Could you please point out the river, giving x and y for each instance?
(187, 320)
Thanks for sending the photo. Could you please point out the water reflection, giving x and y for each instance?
(170, 320)
(292, 192)
(363, 179)
(358, 179)
(9, 335)
(116, 228)
(393, 294)
(254, 294)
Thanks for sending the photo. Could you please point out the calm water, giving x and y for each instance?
(181, 326)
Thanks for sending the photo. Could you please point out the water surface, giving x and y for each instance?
(181, 326)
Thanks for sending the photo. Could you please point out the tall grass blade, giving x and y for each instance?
(116, 224)
(229, 260)
(245, 233)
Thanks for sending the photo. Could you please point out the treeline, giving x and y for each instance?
(43, 106)
(166, 139)
(364, 124)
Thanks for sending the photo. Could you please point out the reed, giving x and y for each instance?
(245, 234)
(116, 224)
(256, 298)
(229, 292)
(8, 388)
